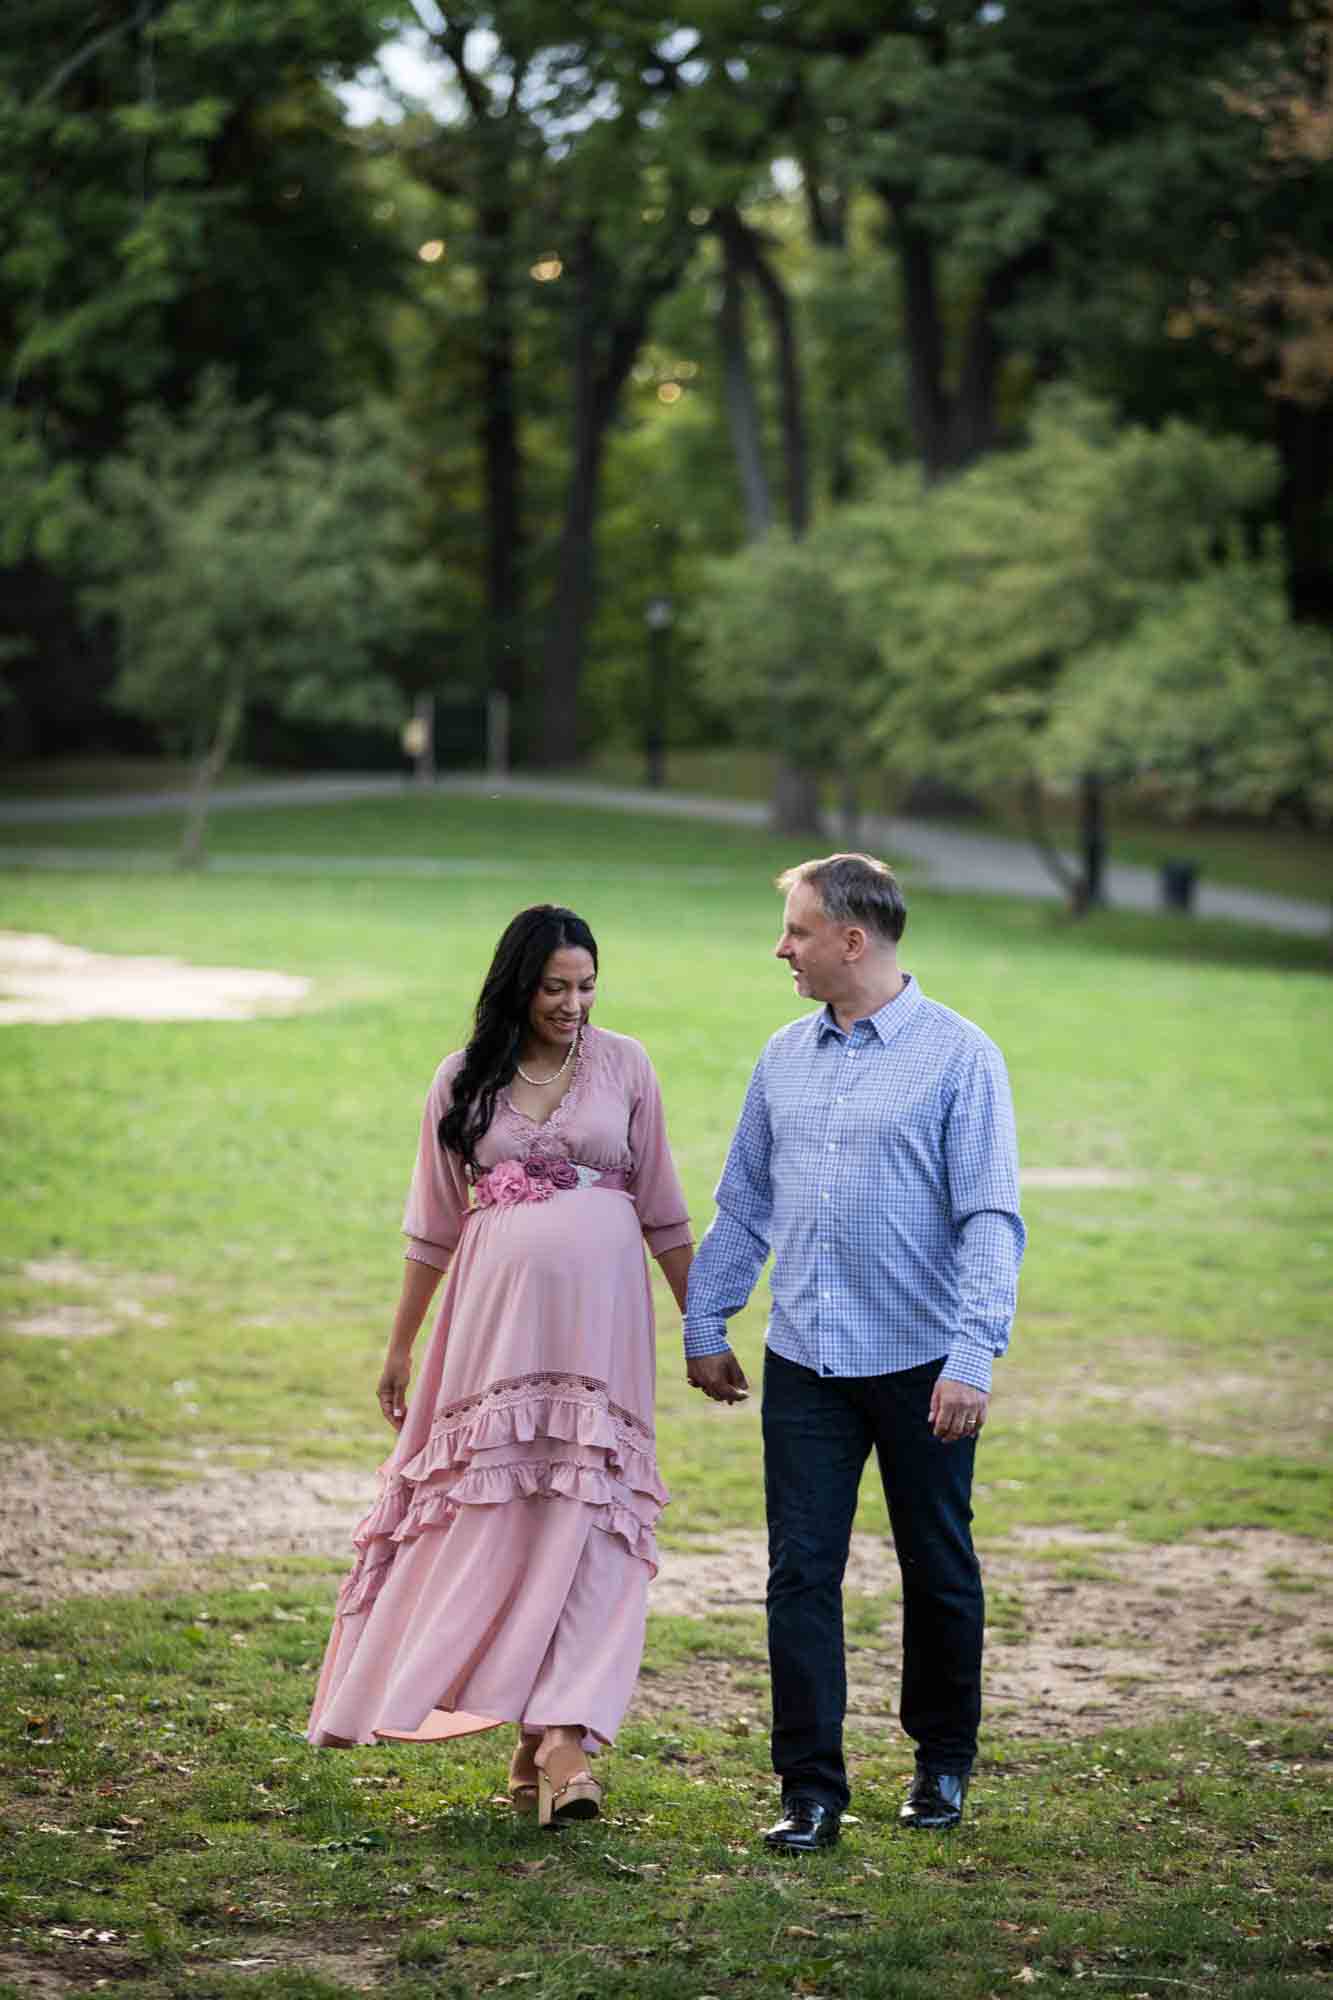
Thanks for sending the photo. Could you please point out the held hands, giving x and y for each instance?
(957, 1410)
(392, 1388)
(720, 1376)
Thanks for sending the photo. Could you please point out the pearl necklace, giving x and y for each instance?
(540, 1082)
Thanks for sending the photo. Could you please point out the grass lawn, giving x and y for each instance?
(1283, 860)
(55, 777)
(229, 1195)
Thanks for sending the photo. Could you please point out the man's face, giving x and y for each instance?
(812, 945)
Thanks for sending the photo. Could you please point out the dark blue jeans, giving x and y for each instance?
(818, 1433)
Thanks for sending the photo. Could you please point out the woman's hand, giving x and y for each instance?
(419, 1282)
(392, 1390)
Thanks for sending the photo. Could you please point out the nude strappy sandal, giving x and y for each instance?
(523, 1776)
(566, 1788)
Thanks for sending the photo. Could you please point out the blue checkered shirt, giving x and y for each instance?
(881, 1168)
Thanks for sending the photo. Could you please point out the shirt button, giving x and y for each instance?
(833, 1145)
(826, 1194)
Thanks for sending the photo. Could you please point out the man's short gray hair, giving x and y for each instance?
(853, 889)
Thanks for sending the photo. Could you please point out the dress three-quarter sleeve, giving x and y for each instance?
(437, 1200)
(653, 1181)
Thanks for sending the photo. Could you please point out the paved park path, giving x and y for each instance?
(988, 864)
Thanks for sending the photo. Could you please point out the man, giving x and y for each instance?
(875, 1156)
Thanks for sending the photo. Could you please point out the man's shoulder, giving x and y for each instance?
(794, 1036)
(953, 1033)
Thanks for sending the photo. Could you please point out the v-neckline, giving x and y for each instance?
(544, 1124)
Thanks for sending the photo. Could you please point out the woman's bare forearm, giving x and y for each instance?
(419, 1286)
(675, 1268)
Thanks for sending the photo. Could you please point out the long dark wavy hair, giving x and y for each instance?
(491, 1056)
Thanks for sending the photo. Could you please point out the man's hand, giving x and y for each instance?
(720, 1376)
(957, 1410)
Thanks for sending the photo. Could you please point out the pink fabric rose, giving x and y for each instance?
(507, 1184)
(564, 1174)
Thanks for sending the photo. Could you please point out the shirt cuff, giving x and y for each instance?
(668, 1236)
(971, 1362)
(418, 1251)
(705, 1337)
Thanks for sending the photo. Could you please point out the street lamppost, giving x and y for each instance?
(659, 615)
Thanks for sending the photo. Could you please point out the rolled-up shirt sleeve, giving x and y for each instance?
(437, 1200)
(735, 1245)
(653, 1180)
(981, 1158)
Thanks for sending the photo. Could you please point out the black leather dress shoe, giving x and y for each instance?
(805, 1826)
(935, 1802)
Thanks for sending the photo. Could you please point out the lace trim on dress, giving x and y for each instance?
(584, 1064)
(514, 1389)
(623, 1489)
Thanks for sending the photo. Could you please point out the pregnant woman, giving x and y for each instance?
(502, 1575)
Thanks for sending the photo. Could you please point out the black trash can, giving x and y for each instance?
(1178, 883)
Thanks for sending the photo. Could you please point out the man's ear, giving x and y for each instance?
(854, 943)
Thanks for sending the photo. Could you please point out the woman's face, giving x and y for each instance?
(564, 997)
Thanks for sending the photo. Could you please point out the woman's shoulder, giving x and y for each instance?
(621, 1054)
(623, 1048)
(442, 1083)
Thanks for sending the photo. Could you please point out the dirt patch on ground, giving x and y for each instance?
(43, 980)
(1087, 1632)
(81, 1960)
(65, 1320)
(1208, 1412)
(1081, 1177)
(126, 1537)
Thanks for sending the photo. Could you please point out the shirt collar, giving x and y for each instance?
(884, 1022)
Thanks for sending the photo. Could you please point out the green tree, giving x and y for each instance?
(998, 600)
(781, 656)
(177, 191)
(245, 561)
(1217, 700)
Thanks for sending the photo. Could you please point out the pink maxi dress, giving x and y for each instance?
(502, 1575)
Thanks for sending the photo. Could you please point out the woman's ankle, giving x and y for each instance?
(563, 1737)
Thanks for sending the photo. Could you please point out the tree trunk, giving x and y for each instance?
(209, 769)
(1092, 832)
(973, 416)
(950, 430)
(497, 137)
(574, 582)
(738, 386)
(851, 807)
(828, 230)
(1304, 439)
(1051, 857)
(927, 406)
(796, 799)
(606, 342)
(796, 792)
(500, 441)
(791, 398)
